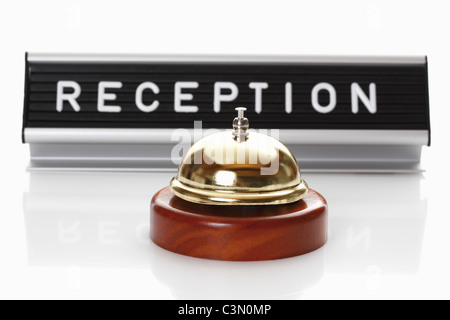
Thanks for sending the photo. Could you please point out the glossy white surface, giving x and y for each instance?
(84, 223)
(85, 235)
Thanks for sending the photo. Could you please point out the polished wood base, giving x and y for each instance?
(238, 233)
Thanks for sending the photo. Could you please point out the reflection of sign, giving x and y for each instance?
(93, 220)
(280, 93)
(375, 235)
(102, 220)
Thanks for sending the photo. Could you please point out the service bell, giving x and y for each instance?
(239, 196)
(239, 168)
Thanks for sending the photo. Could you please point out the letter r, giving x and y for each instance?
(61, 96)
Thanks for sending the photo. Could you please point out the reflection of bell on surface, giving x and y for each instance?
(240, 197)
(190, 278)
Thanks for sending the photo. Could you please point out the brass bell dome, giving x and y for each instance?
(239, 168)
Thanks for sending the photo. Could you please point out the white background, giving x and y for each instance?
(86, 235)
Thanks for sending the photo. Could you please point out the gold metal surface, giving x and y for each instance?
(255, 170)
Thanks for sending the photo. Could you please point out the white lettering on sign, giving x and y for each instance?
(61, 96)
(102, 96)
(138, 99)
(180, 96)
(358, 93)
(315, 97)
(221, 97)
(258, 87)
(223, 92)
(288, 97)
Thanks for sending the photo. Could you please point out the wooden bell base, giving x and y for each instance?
(238, 233)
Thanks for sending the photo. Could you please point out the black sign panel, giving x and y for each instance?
(277, 95)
